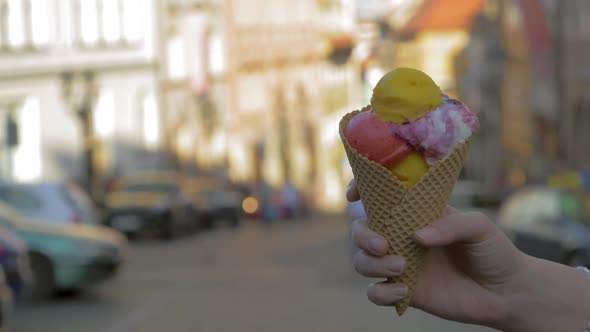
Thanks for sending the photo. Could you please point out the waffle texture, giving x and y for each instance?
(396, 212)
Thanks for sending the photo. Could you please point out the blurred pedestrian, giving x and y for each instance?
(290, 200)
(474, 274)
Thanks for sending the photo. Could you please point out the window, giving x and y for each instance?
(132, 15)
(104, 115)
(110, 22)
(26, 24)
(27, 156)
(16, 24)
(88, 16)
(40, 22)
(20, 199)
(5, 220)
(150, 121)
(151, 187)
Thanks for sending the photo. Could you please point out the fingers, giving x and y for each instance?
(367, 240)
(352, 193)
(469, 227)
(386, 294)
(450, 210)
(378, 267)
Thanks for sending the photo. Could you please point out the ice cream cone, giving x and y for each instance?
(396, 212)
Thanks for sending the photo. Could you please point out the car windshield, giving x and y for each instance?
(21, 199)
(151, 187)
(69, 200)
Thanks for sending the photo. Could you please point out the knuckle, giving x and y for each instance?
(357, 262)
(362, 264)
(375, 295)
(372, 293)
(356, 230)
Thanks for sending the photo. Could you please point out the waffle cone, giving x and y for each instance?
(396, 212)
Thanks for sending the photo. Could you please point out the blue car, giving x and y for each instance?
(15, 263)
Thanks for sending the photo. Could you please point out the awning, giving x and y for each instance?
(443, 15)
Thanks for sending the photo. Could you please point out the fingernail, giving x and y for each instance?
(426, 233)
(397, 265)
(376, 246)
(399, 290)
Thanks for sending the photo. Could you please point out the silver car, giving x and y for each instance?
(50, 201)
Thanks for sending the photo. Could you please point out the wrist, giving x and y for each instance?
(548, 297)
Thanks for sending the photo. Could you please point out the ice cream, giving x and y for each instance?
(406, 151)
(411, 125)
(373, 138)
(405, 94)
(439, 131)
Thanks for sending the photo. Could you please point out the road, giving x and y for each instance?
(289, 277)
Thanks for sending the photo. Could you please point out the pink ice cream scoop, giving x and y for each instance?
(439, 131)
(373, 138)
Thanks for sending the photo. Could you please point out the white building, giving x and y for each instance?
(46, 48)
(286, 83)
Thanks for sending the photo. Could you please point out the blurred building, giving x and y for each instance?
(78, 82)
(186, 32)
(540, 65)
(263, 85)
(570, 26)
(478, 72)
(429, 37)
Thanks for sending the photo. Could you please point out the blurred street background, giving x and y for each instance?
(175, 165)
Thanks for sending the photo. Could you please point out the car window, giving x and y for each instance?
(150, 187)
(69, 200)
(21, 199)
(79, 197)
(5, 222)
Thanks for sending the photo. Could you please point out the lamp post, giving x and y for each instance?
(80, 92)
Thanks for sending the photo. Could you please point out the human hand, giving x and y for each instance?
(472, 274)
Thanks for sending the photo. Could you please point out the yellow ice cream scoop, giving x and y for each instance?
(405, 94)
(410, 169)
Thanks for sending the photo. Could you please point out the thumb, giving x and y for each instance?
(468, 227)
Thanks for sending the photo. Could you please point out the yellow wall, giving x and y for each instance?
(433, 52)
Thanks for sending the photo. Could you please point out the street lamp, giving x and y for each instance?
(80, 92)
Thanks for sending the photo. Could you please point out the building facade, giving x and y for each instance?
(78, 81)
(262, 86)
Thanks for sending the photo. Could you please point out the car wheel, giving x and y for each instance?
(206, 222)
(167, 227)
(576, 259)
(235, 221)
(43, 276)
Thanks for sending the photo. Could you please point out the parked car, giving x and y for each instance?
(214, 201)
(6, 300)
(151, 202)
(50, 201)
(14, 260)
(66, 256)
(548, 223)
